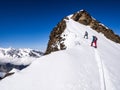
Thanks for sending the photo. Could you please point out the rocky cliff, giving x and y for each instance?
(56, 39)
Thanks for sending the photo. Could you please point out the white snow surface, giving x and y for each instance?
(79, 67)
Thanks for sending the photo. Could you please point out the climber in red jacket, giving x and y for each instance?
(94, 41)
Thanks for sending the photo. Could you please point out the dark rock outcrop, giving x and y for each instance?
(82, 17)
(55, 38)
(7, 67)
(6, 75)
(85, 18)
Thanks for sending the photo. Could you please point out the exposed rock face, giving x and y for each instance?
(56, 39)
(86, 19)
(82, 17)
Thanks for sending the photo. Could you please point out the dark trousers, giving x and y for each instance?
(86, 36)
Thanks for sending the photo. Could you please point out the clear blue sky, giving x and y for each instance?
(28, 23)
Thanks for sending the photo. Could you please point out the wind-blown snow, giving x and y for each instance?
(79, 67)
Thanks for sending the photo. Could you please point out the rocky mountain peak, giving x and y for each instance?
(82, 17)
(56, 39)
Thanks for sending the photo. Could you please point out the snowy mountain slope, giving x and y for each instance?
(64, 70)
(79, 67)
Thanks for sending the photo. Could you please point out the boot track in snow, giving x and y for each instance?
(105, 81)
(101, 70)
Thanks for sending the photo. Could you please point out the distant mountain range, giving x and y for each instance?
(19, 53)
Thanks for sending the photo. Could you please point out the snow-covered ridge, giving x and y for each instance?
(19, 53)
